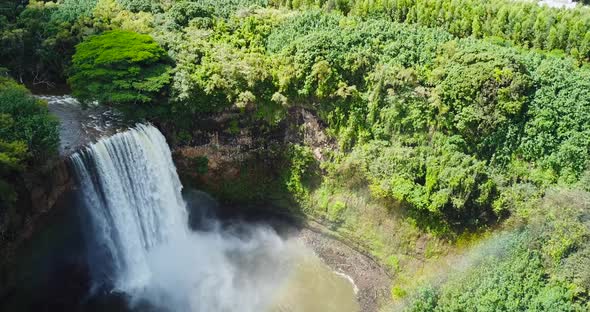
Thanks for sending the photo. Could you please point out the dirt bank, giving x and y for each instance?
(370, 278)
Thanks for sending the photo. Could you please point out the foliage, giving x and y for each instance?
(517, 283)
(525, 23)
(26, 119)
(482, 95)
(559, 114)
(144, 5)
(330, 62)
(182, 12)
(22, 52)
(436, 122)
(300, 171)
(71, 10)
(120, 68)
(447, 131)
(38, 41)
(28, 135)
(527, 269)
(450, 128)
(109, 14)
(440, 181)
(225, 67)
(200, 164)
(425, 300)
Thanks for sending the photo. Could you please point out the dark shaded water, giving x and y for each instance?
(50, 271)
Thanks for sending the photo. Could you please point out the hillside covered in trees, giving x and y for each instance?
(457, 129)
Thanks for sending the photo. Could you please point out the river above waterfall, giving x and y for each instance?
(80, 125)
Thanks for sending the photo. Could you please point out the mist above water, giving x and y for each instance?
(140, 243)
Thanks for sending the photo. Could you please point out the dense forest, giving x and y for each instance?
(524, 23)
(461, 123)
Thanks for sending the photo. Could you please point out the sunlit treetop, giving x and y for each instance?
(119, 67)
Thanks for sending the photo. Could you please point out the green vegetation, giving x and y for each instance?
(443, 126)
(37, 38)
(523, 22)
(28, 137)
(120, 68)
(449, 124)
(539, 267)
(297, 178)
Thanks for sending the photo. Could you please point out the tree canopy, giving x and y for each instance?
(28, 135)
(119, 68)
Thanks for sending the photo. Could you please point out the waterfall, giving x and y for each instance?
(140, 243)
(133, 195)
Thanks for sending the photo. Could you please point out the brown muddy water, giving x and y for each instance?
(314, 287)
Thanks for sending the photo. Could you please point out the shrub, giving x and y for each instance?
(299, 173)
(28, 135)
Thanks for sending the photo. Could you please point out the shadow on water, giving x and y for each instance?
(202, 207)
(50, 271)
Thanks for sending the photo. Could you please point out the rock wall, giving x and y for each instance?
(38, 192)
(246, 168)
(45, 188)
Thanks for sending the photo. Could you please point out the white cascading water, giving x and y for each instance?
(139, 224)
(132, 189)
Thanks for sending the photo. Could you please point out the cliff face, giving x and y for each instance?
(37, 194)
(246, 168)
(45, 188)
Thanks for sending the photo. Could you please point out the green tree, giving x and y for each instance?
(526, 23)
(482, 95)
(27, 120)
(119, 68)
(28, 136)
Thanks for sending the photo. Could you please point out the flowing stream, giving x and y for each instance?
(140, 243)
(81, 125)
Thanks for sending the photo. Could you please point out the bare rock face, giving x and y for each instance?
(37, 193)
(314, 135)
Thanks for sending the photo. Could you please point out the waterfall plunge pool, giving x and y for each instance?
(127, 246)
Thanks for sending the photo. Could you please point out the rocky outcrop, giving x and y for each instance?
(244, 165)
(45, 188)
(313, 134)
